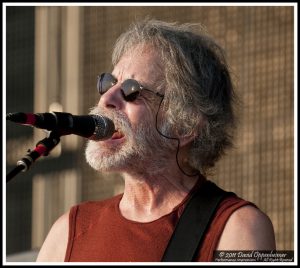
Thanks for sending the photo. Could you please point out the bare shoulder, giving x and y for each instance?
(55, 244)
(248, 228)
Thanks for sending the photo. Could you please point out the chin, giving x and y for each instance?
(106, 160)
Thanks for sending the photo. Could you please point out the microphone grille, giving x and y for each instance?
(104, 128)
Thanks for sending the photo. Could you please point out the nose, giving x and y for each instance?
(112, 98)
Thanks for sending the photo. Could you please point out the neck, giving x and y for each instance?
(149, 197)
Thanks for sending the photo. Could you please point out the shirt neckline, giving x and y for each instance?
(197, 185)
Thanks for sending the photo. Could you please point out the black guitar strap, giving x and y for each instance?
(194, 221)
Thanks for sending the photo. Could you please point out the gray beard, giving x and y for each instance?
(143, 152)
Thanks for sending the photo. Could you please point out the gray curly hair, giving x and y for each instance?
(197, 83)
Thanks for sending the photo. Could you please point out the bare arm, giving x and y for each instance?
(248, 229)
(55, 244)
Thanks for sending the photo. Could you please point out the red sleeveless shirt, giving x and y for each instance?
(99, 233)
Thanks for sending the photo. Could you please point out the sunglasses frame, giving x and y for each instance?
(129, 87)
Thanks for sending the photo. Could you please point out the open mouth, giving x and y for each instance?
(117, 135)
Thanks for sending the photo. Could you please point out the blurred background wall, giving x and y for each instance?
(53, 56)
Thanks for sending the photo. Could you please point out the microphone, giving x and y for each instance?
(93, 127)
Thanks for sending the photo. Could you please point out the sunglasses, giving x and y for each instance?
(130, 88)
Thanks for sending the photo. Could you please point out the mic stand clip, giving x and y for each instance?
(43, 147)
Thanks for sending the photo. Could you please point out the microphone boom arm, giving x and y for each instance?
(43, 147)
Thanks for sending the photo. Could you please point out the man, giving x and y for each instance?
(171, 99)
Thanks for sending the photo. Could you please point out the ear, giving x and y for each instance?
(187, 139)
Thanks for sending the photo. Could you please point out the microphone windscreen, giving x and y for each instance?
(104, 128)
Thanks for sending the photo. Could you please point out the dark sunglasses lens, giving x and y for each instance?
(130, 89)
(105, 82)
(131, 97)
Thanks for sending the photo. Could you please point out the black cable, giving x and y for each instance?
(172, 138)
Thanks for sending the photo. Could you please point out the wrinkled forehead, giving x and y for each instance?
(141, 61)
(142, 50)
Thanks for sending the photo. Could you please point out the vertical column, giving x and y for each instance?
(57, 88)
